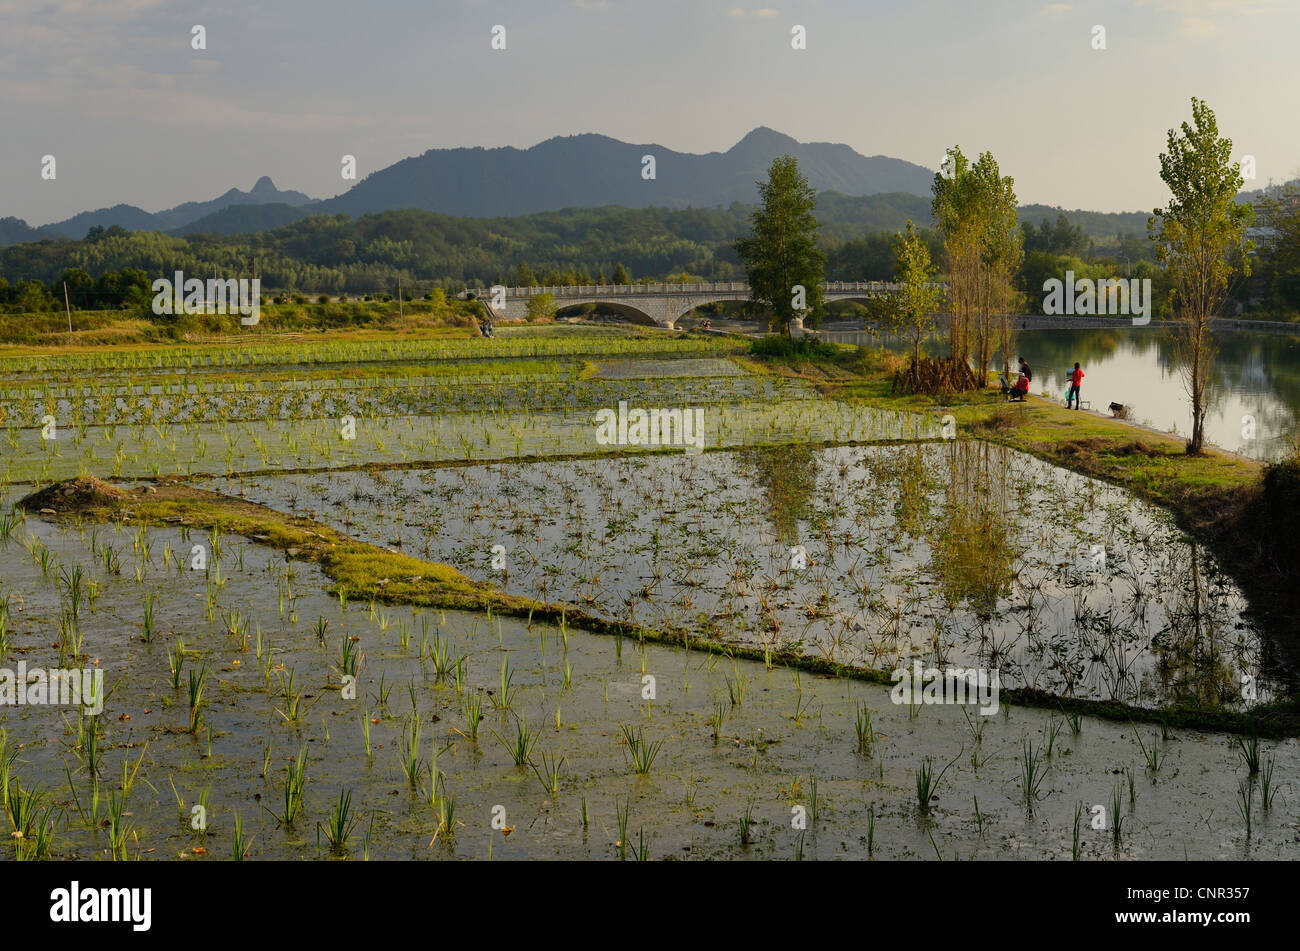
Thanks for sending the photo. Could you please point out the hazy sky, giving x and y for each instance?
(113, 89)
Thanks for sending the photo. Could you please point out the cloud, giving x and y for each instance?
(591, 4)
(1203, 18)
(1059, 7)
(765, 12)
(1198, 26)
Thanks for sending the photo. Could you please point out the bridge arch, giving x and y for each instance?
(620, 307)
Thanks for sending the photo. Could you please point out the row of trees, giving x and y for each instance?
(128, 288)
(1199, 238)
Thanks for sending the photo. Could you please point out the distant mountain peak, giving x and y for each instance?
(264, 186)
(764, 138)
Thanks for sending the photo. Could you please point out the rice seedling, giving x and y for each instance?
(927, 783)
(504, 699)
(444, 664)
(736, 689)
(642, 853)
(147, 620)
(412, 764)
(293, 709)
(197, 684)
(342, 820)
(871, 830)
(129, 772)
(382, 691)
(446, 828)
(717, 718)
(1075, 719)
(27, 814)
(239, 846)
(1078, 820)
(118, 830)
(521, 747)
(1266, 788)
(621, 812)
(1246, 804)
(295, 780)
(1248, 749)
(175, 662)
(1151, 755)
(745, 825)
(642, 754)
(349, 657)
(865, 732)
(550, 773)
(1054, 727)
(37, 842)
(1116, 817)
(473, 716)
(1033, 768)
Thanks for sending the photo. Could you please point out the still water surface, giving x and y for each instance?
(1256, 376)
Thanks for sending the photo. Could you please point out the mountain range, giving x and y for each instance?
(263, 192)
(578, 171)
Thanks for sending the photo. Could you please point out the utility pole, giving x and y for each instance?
(67, 306)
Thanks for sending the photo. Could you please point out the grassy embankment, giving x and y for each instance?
(129, 328)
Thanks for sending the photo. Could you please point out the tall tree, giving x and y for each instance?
(1201, 242)
(912, 310)
(785, 264)
(974, 206)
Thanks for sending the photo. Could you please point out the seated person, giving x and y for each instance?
(1017, 391)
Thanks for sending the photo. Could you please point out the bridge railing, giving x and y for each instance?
(638, 290)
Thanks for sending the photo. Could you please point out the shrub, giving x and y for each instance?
(936, 376)
(779, 345)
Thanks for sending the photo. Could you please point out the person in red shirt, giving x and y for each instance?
(1072, 394)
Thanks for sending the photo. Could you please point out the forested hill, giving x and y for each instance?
(333, 253)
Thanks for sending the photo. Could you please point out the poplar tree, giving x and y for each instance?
(1201, 243)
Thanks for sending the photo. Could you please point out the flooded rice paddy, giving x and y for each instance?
(959, 553)
(295, 723)
(744, 761)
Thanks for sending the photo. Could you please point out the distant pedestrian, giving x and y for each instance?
(1072, 394)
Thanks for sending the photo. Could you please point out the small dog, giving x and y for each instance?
(1117, 410)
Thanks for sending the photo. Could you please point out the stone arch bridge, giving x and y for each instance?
(662, 303)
